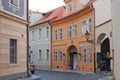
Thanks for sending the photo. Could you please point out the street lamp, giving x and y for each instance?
(87, 35)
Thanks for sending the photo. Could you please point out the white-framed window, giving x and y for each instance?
(89, 25)
(47, 31)
(40, 33)
(60, 33)
(55, 56)
(89, 51)
(13, 51)
(14, 3)
(33, 34)
(83, 55)
(60, 55)
(47, 54)
(69, 8)
(55, 35)
(39, 55)
(86, 26)
(72, 31)
(72, 6)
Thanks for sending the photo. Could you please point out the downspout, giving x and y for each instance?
(51, 41)
(93, 11)
(95, 55)
(27, 38)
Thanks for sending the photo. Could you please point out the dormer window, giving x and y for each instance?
(72, 6)
(14, 2)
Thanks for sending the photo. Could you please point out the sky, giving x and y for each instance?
(44, 5)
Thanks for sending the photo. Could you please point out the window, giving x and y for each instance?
(33, 33)
(89, 51)
(47, 31)
(55, 35)
(55, 56)
(83, 55)
(47, 54)
(13, 51)
(60, 55)
(72, 31)
(75, 30)
(69, 31)
(14, 2)
(60, 33)
(40, 34)
(89, 25)
(69, 8)
(72, 6)
(86, 26)
(39, 56)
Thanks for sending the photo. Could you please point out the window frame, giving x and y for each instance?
(47, 54)
(47, 31)
(40, 54)
(13, 47)
(14, 3)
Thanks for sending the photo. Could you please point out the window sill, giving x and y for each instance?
(13, 65)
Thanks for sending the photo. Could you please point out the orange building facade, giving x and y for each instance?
(70, 48)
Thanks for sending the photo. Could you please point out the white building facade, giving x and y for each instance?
(116, 32)
(40, 45)
(103, 30)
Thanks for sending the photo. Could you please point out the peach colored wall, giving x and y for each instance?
(79, 6)
(76, 41)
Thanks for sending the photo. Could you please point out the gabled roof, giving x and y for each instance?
(51, 15)
(78, 12)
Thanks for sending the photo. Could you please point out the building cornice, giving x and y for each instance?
(3, 14)
(75, 14)
(103, 23)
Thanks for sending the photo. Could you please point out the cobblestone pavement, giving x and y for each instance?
(59, 75)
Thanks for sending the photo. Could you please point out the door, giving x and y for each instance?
(75, 61)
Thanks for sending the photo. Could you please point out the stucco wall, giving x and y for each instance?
(116, 32)
(40, 44)
(102, 11)
(10, 29)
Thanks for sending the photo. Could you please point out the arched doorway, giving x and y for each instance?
(73, 59)
(105, 47)
(102, 47)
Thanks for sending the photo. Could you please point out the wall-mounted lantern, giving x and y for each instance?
(87, 35)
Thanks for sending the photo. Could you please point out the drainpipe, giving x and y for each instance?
(27, 38)
(94, 38)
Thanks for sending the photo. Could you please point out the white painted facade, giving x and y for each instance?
(116, 34)
(103, 25)
(102, 11)
(43, 43)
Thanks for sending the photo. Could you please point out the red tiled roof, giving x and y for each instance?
(57, 14)
(52, 15)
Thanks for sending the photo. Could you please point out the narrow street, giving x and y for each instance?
(58, 75)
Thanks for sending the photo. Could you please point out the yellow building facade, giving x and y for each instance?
(70, 48)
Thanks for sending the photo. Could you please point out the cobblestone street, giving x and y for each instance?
(58, 75)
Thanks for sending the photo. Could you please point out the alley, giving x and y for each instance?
(58, 75)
